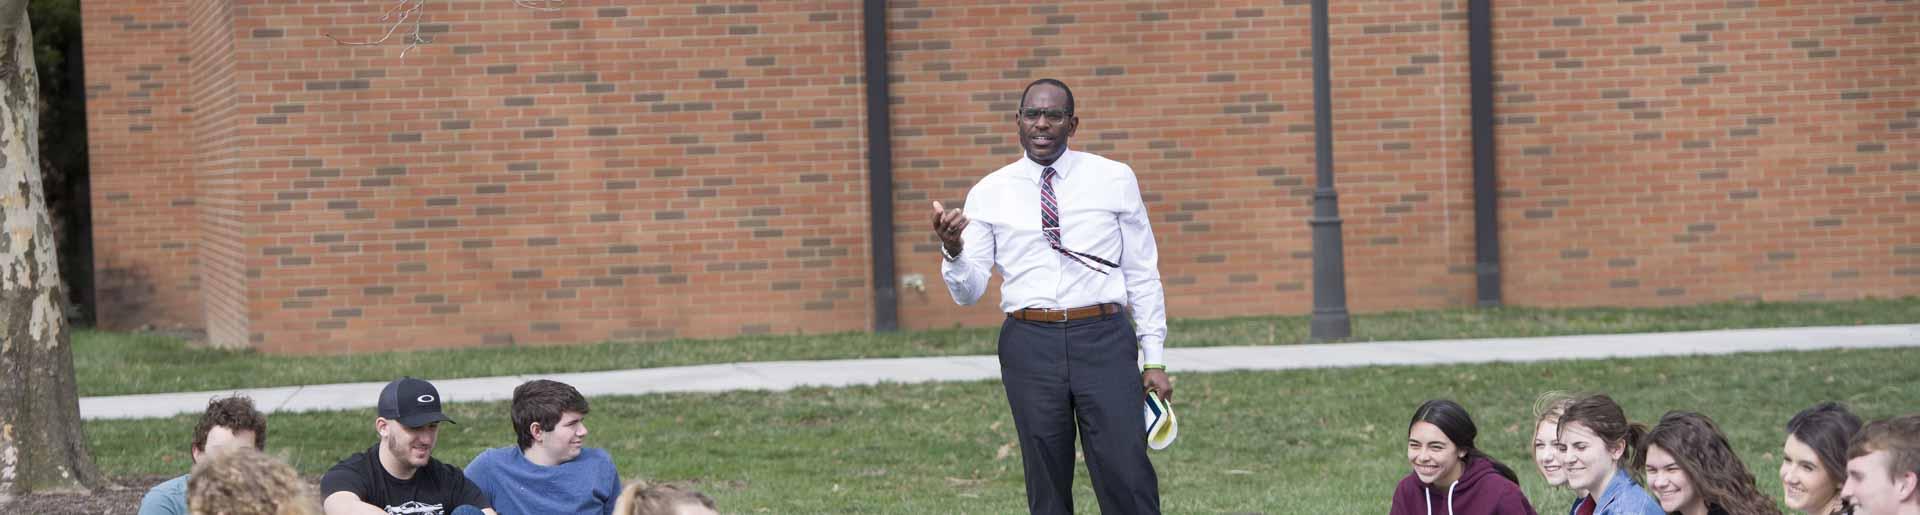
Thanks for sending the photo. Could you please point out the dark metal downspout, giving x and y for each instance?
(1486, 190)
(886, 295)
(1330, 320)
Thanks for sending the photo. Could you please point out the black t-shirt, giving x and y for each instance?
(435, 489)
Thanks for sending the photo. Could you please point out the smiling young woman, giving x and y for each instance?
(1692, 469)
(1450, 475)
(1546, 423)
(1813, 465)
(1598, 445)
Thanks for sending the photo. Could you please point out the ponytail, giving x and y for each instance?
(1635, 458)
(1604, 417)
(1498, 467)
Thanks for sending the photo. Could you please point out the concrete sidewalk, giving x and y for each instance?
(784, 375)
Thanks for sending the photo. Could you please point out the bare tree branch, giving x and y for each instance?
(395, 17)
(539, 5)
(399, 15)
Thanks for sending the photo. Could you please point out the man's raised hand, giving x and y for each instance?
(948, 223)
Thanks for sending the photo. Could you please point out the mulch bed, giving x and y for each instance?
(120, 498)
(123, 497)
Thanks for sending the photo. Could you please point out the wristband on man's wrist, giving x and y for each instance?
(1153, 366)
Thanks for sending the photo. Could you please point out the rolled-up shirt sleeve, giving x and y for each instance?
(1140, 264)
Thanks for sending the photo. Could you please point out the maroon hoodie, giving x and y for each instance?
(1480, 491)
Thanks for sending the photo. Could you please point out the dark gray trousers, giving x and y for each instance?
(1084, 371)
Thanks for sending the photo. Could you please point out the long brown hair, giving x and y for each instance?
(1701, 450)
(1604, 417)
(1826, 428)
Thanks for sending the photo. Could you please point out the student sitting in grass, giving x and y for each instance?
(549, 472)
(1693, 470)
(1597, 447)
(399, 475)
(1813, 465)
(1450, 475)
(229, 423)
(1883, 468)
(1546, 424)
(246, 482)
(641, 498)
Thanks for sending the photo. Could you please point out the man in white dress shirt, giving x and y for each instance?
(1081, 288)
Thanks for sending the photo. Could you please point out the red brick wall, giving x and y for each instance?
(603, 171)
(226, 219)
(139, 136)
(1679, 152)
(692, 169)
(1212, 104)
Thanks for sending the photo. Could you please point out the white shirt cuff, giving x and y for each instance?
(1152, 351)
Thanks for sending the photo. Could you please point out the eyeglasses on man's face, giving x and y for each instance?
(1033, 114)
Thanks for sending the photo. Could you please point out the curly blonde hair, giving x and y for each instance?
(642, 498)
(246, 482)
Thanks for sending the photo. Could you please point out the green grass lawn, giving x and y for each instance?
(118, 363)
(1312, 441)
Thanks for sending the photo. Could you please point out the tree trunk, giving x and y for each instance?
(42, 443)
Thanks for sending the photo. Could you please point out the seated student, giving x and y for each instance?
(1813, 464)
(399, 475)
(1883, 468)
(229, 423)
(1597, 447)
(1546, 424)
(246, 482)
(549, 472)
(641, 498)
(1450, 475)
(1693, 470)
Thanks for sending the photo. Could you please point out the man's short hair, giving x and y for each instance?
(248, 482)
(1898, 436)
(1054, 82)
(235, 413)
(543, 401)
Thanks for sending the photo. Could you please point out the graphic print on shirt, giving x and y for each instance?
(417, 508)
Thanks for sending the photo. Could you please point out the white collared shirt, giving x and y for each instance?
(1100, 214)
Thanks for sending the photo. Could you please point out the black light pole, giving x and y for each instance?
(1330, 321)
(886, 295)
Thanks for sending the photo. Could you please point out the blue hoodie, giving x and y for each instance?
(1623, 497)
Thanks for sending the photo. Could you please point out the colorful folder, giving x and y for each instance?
(1162, 427)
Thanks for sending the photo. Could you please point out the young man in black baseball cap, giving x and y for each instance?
(399, 475)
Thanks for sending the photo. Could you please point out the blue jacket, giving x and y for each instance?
(1623, 497)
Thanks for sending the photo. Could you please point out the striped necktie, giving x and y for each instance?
(1050, 218)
